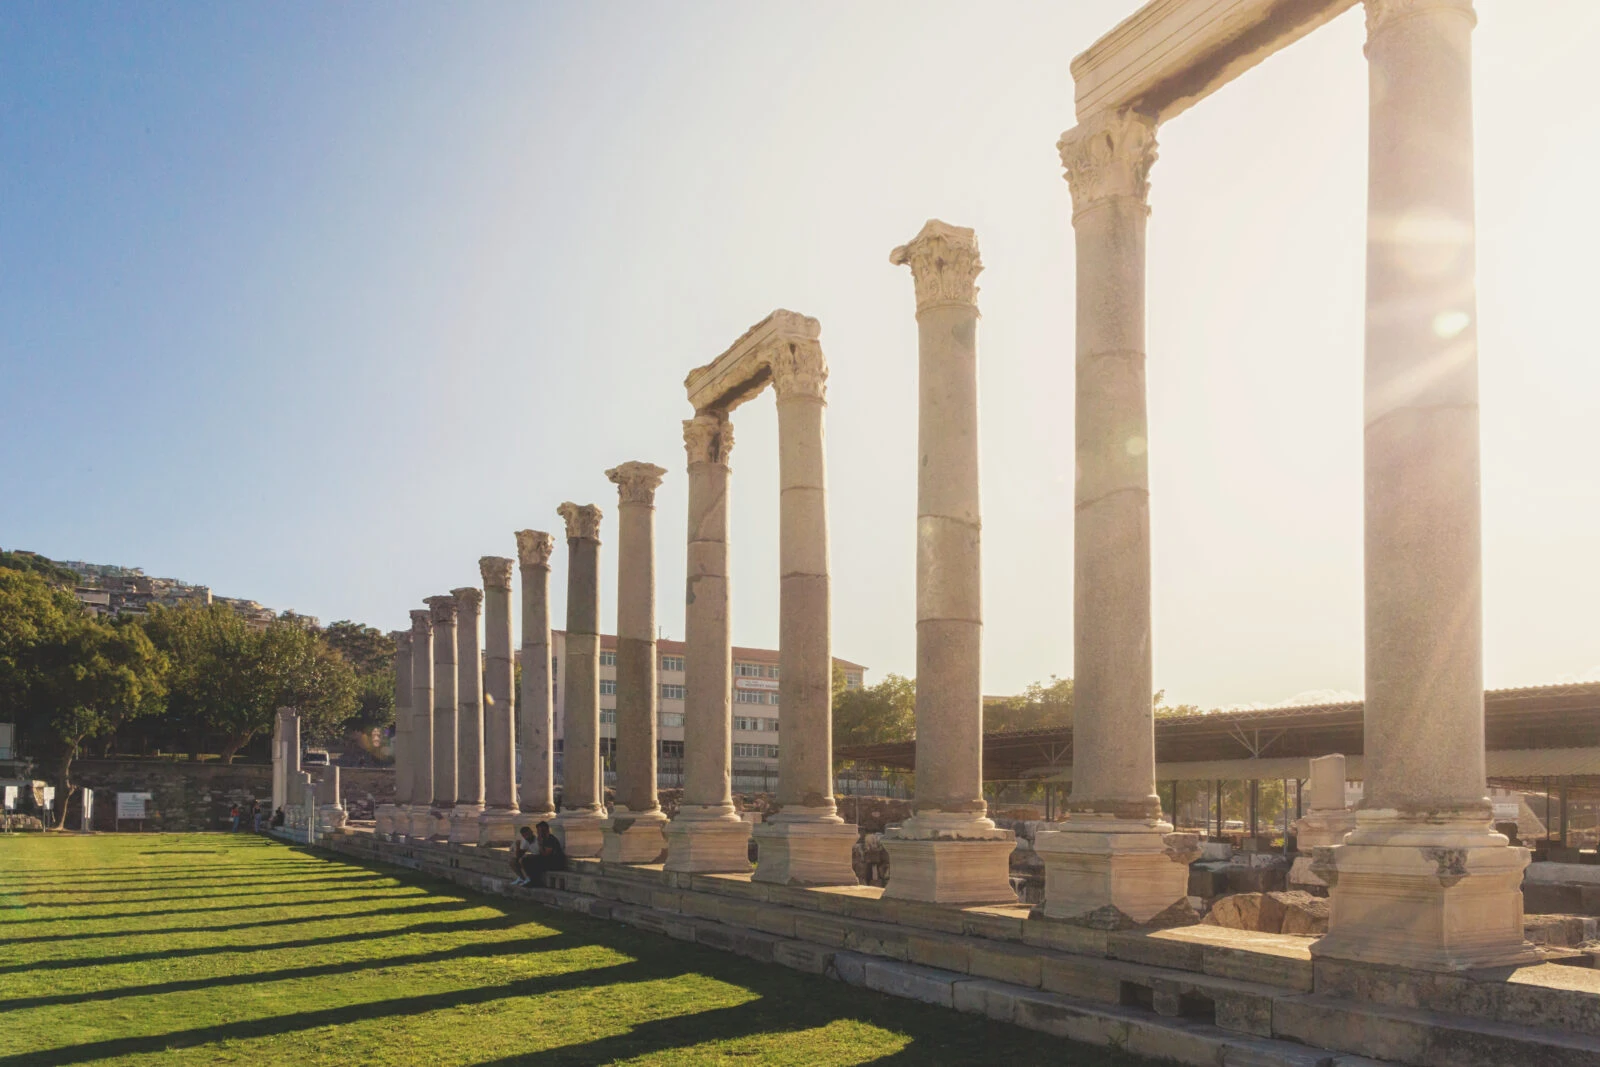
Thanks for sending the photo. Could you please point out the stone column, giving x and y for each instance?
(707, 835)
(445, 697)
(1423, 881)
(535, 730)
(498, 824)
(386, 817)
(1326, 823)
(633, 833)
(583, 808)
(1115, 861)
(806, 843)
(419, 804)
(468, 808)
(949, 851)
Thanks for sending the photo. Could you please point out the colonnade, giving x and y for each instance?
(1422, 881)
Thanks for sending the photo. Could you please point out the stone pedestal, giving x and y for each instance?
(630, 838)
(805, 847)
(581, 833)
(464, 820)
(498, 828)
(708, 843)
(1113, 874)
(384, 821)
(949, 859)
(425, 824)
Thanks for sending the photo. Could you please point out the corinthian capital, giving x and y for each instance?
(799, 369)
(708, 438)
(636, 482)
(583, 520)
(533, 548)
(469, 599)
(443, 608)
(402, 641)
(496, 571)
(1109, 155)
(1384, 13)
(944, 265)
(421, 623)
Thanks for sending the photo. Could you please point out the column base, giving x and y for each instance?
(805, 846)
(1318, 829)
(950, 858)
(1114, 874)
(580, 832)
(464, 824)
(627, 837)
(331, 817)
(1433, 896)
(384, 822)
(439, 824)
(497, 827)
(716, 845)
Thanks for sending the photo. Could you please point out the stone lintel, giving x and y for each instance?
(1170, 54)
(745, 368)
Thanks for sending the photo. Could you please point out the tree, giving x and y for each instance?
(367, 649)
(296, 668)
(1043, 705)
(883, 712)
(48, 569)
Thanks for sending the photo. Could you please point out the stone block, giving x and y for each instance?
(1006, 963)
(1111, 874)
(877, 939)
(805, 853)
(1157, 948)
(997, 924)
(1064, 937)
(1081, 976)
(821, 929)
(735, 912)
(980, 996)
(945, 953)
(1545, 899)
(772, 919)
(850, 967)
(1176, 1041)
(666, 900)
(802, 956)
(1328, 1023)
(911, 981)
(704, 846)
(975, 869)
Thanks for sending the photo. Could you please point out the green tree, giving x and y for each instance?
(367, 649)
(883, 712)
(1043, 705)
(33, 563)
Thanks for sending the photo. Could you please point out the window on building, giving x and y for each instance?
(554, 665)
(671, 719)
(749, 670)
(672, 749)
(608, 716)
(608, 748)
(608, 686)
(755, 751)
(555, 746)
(672, 663)
(772, 670)
(772, 698)
(747, 696)
(672, 692)
(852, 679)
(608, 659)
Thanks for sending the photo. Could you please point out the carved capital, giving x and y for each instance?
(443, 608)
(496, 571)
(421, 623)
(402, 641)
(799, 369)
(944, 265)
(583, 520)
(1109, 155)
(534, 547)
(636, 482)
(469, 600)
(708, 438)
(1382, 14)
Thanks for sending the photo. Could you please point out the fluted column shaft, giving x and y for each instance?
(421, 755)
(404, 772)
(1424, 586)
(535, 729)
(805, 659)
(469, 697)
(708, 633)
(636, 635)
(582, 789)
(1113, 764)
(445, 699)
(499, 711)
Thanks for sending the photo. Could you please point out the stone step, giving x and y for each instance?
(1426, 1038)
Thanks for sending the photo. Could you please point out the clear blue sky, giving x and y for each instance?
(316, 304)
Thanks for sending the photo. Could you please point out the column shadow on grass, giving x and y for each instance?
(308, 903)
(187, 888)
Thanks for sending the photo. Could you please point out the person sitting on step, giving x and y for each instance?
(533, 855)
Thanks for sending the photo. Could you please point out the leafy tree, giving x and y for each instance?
(883, 712)
(368, 650)
(296, 668)
(1043, 705)
(33, 563)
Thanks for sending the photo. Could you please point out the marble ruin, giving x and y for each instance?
(1417, 877)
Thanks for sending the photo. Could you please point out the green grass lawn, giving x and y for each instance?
(216, 948)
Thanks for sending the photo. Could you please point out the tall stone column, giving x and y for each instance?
(583, 808)
(468, 807)
(498, 824)
(633, 833)
(445, 697)
(1115, 862)
(1423, 881)
(386, 817)
(707, 835)
(420, 803)
(535, 730)
(806, 843)
(949, 851)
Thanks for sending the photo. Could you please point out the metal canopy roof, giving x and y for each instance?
(1540, 717)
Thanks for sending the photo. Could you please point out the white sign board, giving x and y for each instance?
(11, 798)
(756, 683)
(88, 810)
(131, 805)
(50, 796)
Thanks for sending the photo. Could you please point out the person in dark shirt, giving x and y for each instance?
(534, 854)
(277, 818)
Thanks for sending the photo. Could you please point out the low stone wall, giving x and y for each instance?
(196, 796)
